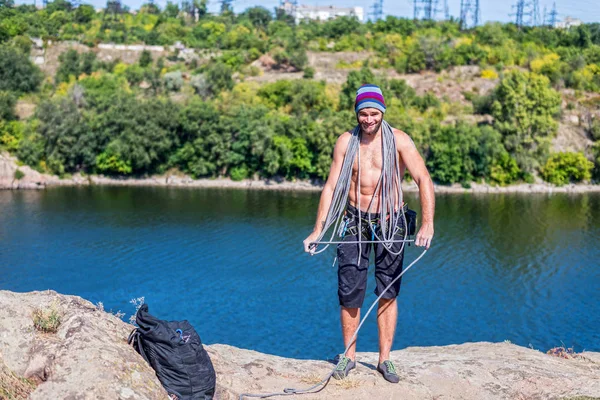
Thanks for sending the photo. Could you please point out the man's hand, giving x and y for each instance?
(424, 236)
(310, 239)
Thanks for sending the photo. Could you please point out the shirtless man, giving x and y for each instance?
(352, 278)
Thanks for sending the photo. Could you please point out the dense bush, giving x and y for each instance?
(562, 168)
(72, 65)
(17, 73)
(524, 108)
(463, 153)
(7, 105)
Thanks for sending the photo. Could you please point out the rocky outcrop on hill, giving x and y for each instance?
(15, 176)
(88, 358)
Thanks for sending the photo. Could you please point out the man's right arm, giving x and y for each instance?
(339, 152)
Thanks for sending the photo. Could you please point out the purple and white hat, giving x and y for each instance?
(369, 96)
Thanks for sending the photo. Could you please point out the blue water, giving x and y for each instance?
(518, 267)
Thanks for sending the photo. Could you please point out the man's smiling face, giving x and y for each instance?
(369, 120)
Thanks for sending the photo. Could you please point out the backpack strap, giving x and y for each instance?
(135, 339)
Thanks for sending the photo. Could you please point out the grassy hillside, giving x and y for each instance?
(254, 94)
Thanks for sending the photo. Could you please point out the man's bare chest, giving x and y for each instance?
(370, 159)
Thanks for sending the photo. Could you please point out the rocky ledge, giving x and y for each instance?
(87, 357)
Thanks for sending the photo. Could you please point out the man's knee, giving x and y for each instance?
(386, 304)
(352, 312)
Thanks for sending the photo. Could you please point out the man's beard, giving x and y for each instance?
(375, 128)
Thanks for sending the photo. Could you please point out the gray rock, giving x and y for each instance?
(468, 371)
(88, 358)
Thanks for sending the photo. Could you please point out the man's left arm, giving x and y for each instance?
(416, 167)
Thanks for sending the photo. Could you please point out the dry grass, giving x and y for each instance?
(347, 383)
(47, 320)
(312, 379)
(563, 352)
(582, 398)
(13, 387)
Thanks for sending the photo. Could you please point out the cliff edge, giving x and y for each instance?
(87, 357)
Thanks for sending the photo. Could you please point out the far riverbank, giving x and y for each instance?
(27, 178)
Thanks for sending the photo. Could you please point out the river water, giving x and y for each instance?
(517, 267)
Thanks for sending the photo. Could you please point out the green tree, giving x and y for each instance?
(145, 59)
(524, 108)
(596, 155)
(142, 133)
(73, 64)
(218, 77)
(7, 106)
(65, 133)
(17, 72)
(84, 13)
(111, 164)
(562, 168)
(355, 80)
(259, 17)
(171, 10)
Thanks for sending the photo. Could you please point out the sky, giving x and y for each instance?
(491, 10)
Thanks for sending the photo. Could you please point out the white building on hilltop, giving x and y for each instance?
(567, 23)
(322, 13)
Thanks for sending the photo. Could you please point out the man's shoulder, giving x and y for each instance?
(344, 137)
(398, 132)
(400, 135)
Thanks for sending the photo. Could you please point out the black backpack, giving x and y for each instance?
(174, 350)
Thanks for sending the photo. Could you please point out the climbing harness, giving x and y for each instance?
(382, 229)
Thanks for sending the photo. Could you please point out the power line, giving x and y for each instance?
(226, 5)
(544, 19)
(377, 8)
(425, 9)
(446, 10)
(523, 10)
(469, 10)
(553, 15)
(536, 13)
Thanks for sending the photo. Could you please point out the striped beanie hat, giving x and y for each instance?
(369, 96)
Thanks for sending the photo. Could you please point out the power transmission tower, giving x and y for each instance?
(519, 14)
(293, 3)
(523, 10)
(536, 12)
(226, 5)
(446, 11)
(469, 10)
(111, 13)
(429, 9)
(377, 8)
(465, 6)
(553, 15)
(544, 18)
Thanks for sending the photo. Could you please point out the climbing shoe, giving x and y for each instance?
(388, 370)
(344, 366)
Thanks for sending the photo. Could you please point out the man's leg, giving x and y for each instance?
(387, 315)
(388, 267)
(352, 286)
(350, 319)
